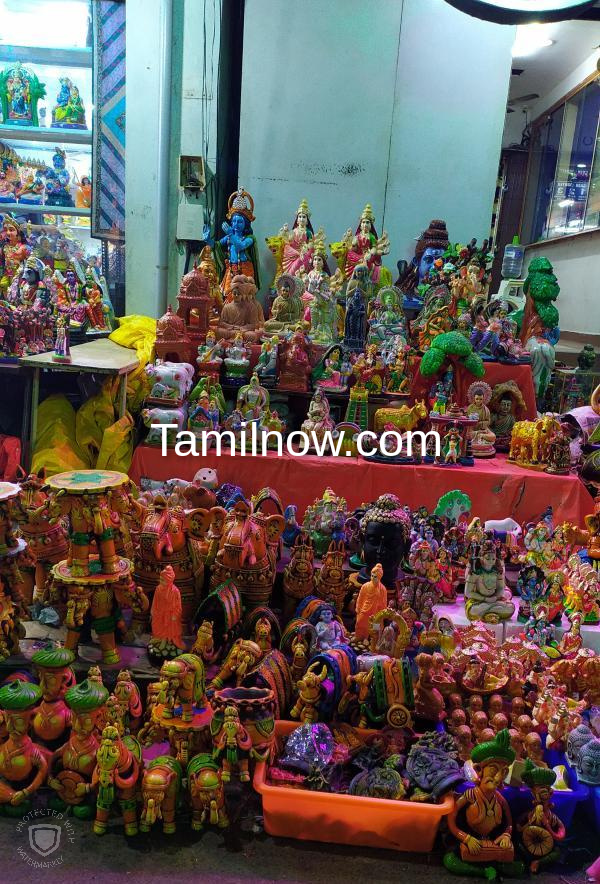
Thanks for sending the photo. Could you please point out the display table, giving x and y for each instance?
(456, 612)
(495, 373)
(101, 356)
(497, 489)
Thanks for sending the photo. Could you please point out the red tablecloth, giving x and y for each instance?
(497, 489)
(495, 373)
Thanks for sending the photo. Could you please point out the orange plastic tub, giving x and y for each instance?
(347, 819)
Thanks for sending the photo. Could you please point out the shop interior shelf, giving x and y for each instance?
(80, 58)
(23, 209)
(46, 133)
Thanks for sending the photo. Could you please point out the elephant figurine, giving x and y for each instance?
(207, 795)
(182, 685)
(244, 655)
(116, 777)
(161, 787)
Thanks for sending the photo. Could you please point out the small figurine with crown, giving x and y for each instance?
(62, 353)
(235, 252)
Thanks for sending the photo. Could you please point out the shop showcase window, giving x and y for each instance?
(563, 188)
(46, 118)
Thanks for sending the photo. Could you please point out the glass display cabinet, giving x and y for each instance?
(46, 119)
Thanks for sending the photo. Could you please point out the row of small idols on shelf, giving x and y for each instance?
(487, 423)
(445, 288)
(29, 182)
(21, 91)
(40, 304)
(359, 317)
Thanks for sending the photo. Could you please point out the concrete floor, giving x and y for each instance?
(242, 853)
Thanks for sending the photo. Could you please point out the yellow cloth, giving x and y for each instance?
(56, 446)
(116, 452)
(92, 437)
(139, 333)
(93, 418)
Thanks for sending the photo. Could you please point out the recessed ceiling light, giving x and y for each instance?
(530, 39)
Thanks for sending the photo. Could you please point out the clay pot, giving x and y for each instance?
(256, 708)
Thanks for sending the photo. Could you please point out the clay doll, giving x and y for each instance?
(232, 745)
(166, 611)
(429, 703)
(72, 765)
(540, 828)
(23, 765)
(52, 718)
(481, 819)
(330, 632)
(372, 598)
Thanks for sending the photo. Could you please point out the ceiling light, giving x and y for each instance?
(530, 39)
(515, 12)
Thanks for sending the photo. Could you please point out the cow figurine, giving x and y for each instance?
(177, 416)
(172, 380)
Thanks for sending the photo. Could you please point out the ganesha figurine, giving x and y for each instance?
(487, 597)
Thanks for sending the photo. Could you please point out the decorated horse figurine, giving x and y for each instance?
(248, 548)
(116, 777)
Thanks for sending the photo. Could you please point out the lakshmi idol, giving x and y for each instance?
(299, 242)
(366, 247)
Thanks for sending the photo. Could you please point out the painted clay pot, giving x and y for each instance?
(256, 708)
